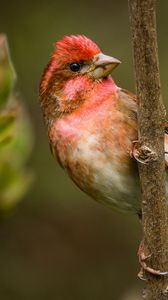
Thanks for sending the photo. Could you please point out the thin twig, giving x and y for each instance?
(151, 116)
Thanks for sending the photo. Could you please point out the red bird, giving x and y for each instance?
(91, 122)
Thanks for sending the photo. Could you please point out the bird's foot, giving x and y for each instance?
(142, 153)
(144, 267)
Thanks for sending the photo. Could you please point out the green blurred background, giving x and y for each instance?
(60, 244)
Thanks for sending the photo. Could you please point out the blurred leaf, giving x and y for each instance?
(13, 184)
(15, 136)
(7, 73)
(5, 141)
(5, 122)
(22, 131)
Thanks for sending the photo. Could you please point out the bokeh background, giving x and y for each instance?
(59, 244)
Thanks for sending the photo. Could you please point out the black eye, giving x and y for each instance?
(75, 67)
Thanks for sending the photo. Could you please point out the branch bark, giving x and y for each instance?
(151, 115)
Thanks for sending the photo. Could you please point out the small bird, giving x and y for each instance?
(91, 122)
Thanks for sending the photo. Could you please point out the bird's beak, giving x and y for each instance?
(103, 65)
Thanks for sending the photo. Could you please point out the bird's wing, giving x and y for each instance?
(129, 94)
(129, 102)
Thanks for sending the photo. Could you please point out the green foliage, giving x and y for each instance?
(7, 73)
(15, 135)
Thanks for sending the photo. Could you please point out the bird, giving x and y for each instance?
(92, 123)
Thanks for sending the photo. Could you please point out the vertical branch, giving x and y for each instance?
(151, 144)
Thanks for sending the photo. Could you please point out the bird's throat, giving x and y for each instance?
(74, 94)
(84, 91)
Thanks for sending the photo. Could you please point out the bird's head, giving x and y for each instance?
(76, 63)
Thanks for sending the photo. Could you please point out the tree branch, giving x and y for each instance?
(150, 148)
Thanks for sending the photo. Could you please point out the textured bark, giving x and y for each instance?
(151, 116)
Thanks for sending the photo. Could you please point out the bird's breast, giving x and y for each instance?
(96, 155)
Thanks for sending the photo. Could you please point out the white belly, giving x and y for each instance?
(108, 185)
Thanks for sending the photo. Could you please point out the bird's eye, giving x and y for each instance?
(75, 67)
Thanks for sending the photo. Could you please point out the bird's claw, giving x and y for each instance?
(142, 153)
(145, 267)
(151, 271)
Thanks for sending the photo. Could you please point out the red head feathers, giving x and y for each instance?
(70, 48)
(75, 48)
(77, 71)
